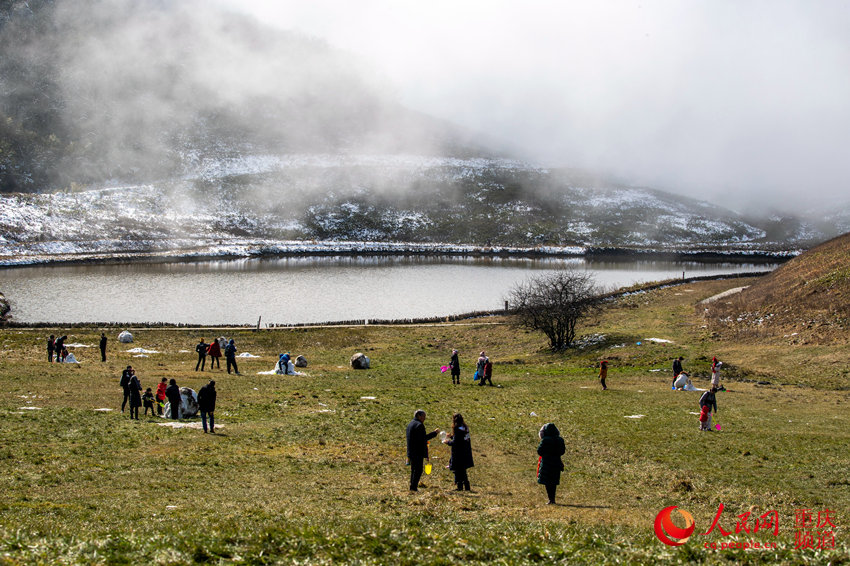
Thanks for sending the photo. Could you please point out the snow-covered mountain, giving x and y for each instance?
(141, 126)
(289, 203)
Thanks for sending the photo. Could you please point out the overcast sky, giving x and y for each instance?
(730, 101)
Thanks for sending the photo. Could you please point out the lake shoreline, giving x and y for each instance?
(274, 250)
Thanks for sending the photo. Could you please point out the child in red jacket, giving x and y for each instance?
(704, 418)
(160, 396)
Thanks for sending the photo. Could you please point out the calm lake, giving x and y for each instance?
(304, 289)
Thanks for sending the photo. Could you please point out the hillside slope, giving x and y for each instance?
(807, 299)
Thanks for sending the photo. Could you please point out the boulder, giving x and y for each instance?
(300, 362)
(359, 361)
(125, 337)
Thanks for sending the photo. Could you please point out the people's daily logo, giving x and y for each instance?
(667, 532)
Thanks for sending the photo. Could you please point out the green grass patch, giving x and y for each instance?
(309, 469)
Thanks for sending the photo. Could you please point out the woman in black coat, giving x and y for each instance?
(172, 392)
(550, 466)
(454, 364)
(461, 459)
(135, 396)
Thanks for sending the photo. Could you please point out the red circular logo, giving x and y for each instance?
(664, 526)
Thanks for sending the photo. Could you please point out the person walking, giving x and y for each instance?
(174, 400)
(51, 347)
(102, 347)
(417, 446)
(230, 356)
(550, 465)
(206, 404)
(709, 399)
(135, 396)
(125, 385)
(461, 459)
(677, 369)
(201, 348)
(454, 365)
(214, 352)
(603, 373)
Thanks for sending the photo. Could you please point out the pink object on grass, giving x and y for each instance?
(444, 369)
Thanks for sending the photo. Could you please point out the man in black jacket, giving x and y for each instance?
(206, 403)
(102, 347)
(172, 392)
(51, 346)
(201, 348)
(417, 446)
(125, 385)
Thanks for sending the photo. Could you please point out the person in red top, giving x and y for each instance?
(160, 395)
(214, 352)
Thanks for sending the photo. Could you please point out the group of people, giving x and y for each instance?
(167, 389)
(483, 369)
(708, 400)
(459, 441)
(549, 451)
(56, 347)
(214, 350)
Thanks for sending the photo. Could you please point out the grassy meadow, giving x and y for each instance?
(311, 469)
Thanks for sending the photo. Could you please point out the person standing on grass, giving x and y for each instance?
(135, 396)
(454, 366)
(230, 356)
(549, 464)
(214, 352)
(51, 347)
(486, 373)
(102, 347)
(160, 395)
(174, 400)
(148, 401)
(715, 377)
(125, 385)
(603, 373)
(206, 404)
(461, 459)
(201, 348)
(59, 347)
(677, 369)
(708, 399)
(417, 446)
(479, 366)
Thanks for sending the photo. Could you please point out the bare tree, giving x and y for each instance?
(554, 303)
